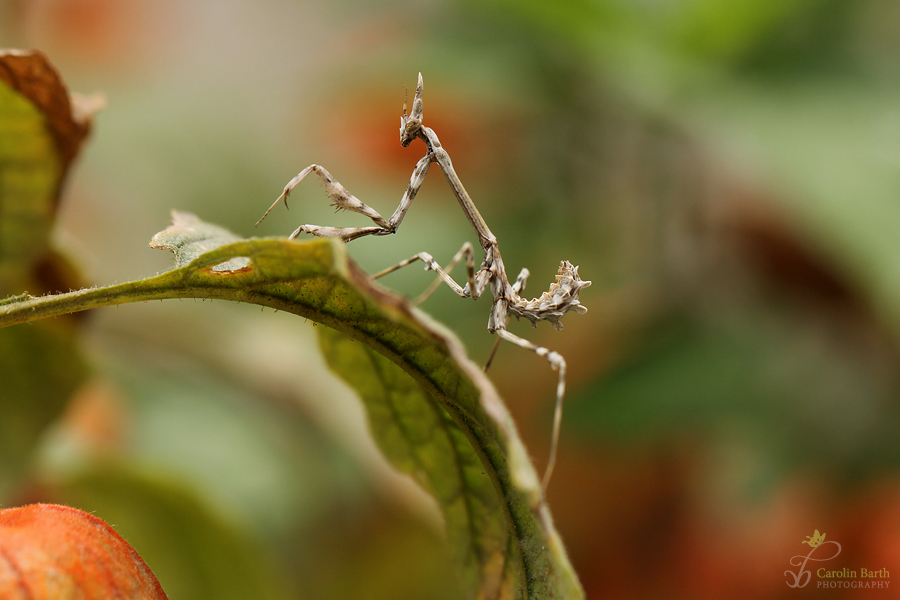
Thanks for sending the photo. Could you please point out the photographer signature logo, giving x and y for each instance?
(820, 551)
(815, 541)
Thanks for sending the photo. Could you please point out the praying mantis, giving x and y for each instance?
(551, 306)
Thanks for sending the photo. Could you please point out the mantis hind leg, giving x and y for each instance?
(558, 363)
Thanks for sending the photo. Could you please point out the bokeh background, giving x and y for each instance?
(726, 173)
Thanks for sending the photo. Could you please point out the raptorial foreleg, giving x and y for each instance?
(344, 200)
(340, 197)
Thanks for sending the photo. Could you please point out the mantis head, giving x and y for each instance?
(411, 124)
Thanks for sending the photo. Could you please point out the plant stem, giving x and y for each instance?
(24, 308)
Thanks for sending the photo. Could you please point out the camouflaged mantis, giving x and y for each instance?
(551, 306)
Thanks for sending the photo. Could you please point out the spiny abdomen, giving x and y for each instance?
(555, 302)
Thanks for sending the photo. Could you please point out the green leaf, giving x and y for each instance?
(189, 237)
(419, 438)
(40, 134)
(448, 428)
(29, 173)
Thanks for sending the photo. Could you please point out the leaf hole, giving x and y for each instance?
(238, 263)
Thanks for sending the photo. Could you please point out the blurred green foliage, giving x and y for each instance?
(41, 366)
